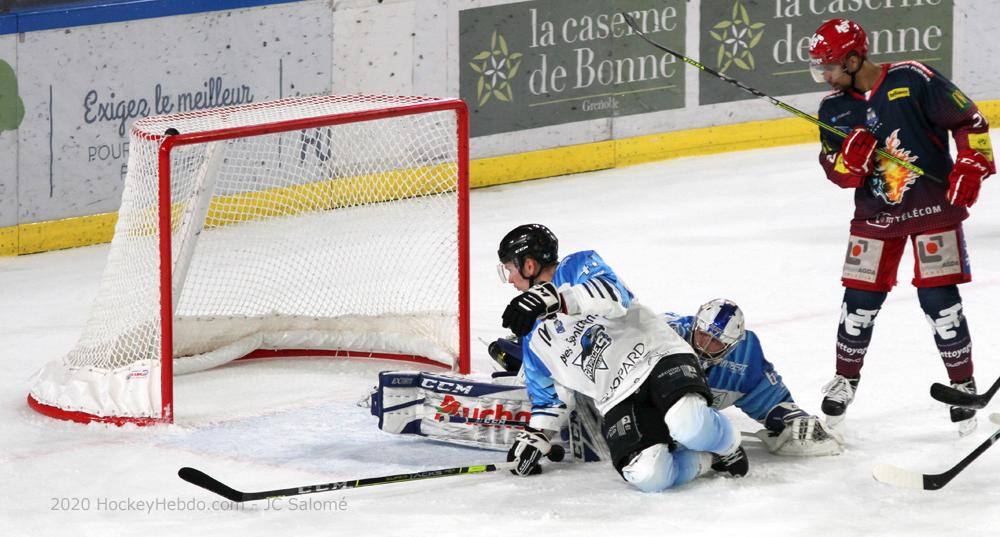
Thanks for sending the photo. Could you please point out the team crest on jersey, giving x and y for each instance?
(892, 181)
(594, 342)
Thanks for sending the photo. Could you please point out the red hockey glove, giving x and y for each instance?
(857, 152)
(971, 167)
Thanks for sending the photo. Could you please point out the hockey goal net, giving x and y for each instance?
(333, 226)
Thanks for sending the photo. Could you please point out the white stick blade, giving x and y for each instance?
(893, 475)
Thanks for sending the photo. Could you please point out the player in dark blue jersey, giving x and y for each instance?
(907, 110)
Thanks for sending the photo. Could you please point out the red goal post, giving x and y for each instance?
(311, 226)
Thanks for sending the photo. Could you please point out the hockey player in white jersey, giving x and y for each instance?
(581, 330)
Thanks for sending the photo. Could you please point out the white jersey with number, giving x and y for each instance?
(604, 347)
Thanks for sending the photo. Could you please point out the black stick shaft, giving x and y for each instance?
(757, 93)
(936, 481)
(207, 482)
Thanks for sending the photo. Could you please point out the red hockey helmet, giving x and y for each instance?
(833, 42)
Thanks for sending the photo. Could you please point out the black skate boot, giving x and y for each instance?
(839, 393)
(736, 463)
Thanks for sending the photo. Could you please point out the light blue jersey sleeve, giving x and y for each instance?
(745, 370)
(594, 287)
(547, 410)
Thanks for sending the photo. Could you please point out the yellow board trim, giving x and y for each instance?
(96, 229)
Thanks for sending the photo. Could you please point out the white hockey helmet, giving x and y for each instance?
(718, 327)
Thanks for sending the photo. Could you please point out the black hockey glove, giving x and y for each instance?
(529, 447)
(537, 302)
(507, 353)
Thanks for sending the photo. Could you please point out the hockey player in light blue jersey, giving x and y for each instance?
(582, 330)
(740, 375)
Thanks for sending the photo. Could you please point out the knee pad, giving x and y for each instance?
(943, 309)
(687, 416)
(859, 309)
(656, 468)
(933, 300)
(696, 426)
(652, 470)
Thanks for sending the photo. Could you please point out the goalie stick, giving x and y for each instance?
(893, 475)
(757, 93)
(209, 483)
(951, 396)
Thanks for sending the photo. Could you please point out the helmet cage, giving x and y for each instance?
(722, 321)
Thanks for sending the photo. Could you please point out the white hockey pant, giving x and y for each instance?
(699, 427)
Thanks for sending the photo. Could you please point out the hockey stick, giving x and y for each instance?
(893, 475)
(757, 93)
(207, 482)
(951, 396)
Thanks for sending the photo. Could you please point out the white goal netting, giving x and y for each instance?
(295, 224)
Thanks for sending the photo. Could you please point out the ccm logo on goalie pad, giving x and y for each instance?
(442, 386)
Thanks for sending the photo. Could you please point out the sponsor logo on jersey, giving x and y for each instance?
(898, 93)
(560, 329)
(891, 181)
(838, 117)
(739, 369)
(452, 406)
(884, 220)
(591, 358)
(961, 100)
(629, 363)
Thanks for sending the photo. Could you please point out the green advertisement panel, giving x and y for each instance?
(546, 62)
(765, 43)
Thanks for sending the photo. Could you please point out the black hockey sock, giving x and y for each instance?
(854, 333)
(943, 306)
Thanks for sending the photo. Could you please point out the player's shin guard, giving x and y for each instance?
(943, 307)
(699, 427)
(656, 468)
(854, 333)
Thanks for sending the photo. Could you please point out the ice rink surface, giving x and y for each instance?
(763, 228)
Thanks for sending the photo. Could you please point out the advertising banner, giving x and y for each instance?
(765, 43)
(547, 62)
(83, 87)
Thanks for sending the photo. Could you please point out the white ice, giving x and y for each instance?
(763, 228)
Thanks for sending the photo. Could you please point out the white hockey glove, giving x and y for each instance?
(537, 302)
(529, 447)
(803, 437)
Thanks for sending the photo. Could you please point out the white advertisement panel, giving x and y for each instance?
(11, 117)
(84, 86)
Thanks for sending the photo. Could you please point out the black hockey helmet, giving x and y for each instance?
(529, 240)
